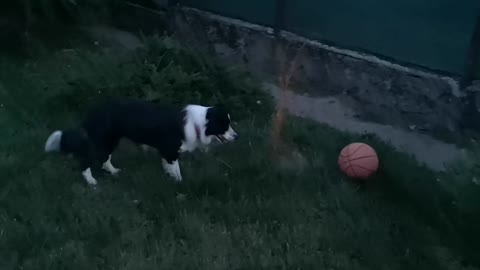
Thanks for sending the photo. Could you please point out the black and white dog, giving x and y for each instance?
(168, 130)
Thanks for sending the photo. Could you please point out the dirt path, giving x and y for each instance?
(435, 154)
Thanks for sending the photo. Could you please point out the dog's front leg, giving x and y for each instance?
(172, 168)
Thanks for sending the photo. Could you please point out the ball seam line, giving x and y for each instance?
(354, 152)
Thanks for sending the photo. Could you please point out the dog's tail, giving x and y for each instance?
(54, 142)
(68, 141)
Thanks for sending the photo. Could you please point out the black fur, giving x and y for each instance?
(218, 120)
(160, 127)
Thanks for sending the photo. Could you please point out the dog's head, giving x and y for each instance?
(218, 125)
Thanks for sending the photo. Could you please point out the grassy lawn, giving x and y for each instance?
(236, 209)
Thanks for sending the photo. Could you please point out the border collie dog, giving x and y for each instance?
(168, 130)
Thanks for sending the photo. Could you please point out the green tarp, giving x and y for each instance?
(431, 33)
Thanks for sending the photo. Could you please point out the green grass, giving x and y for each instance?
(236, 209)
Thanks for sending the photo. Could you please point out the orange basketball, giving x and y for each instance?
(358, 160)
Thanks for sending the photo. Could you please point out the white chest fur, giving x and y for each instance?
(194, 129)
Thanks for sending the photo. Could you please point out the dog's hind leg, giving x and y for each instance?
(86, 158)
(105, 156)
(86, 164)
(108, 166)
(87, 175)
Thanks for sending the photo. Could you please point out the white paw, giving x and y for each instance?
(172, 169)
(87, 175)
(114, 171)
(108, 166)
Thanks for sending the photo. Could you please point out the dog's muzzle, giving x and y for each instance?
(228, 136)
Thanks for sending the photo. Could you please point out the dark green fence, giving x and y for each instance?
(435, 34)
(256, 11)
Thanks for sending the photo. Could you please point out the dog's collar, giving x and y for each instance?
(198, 132)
